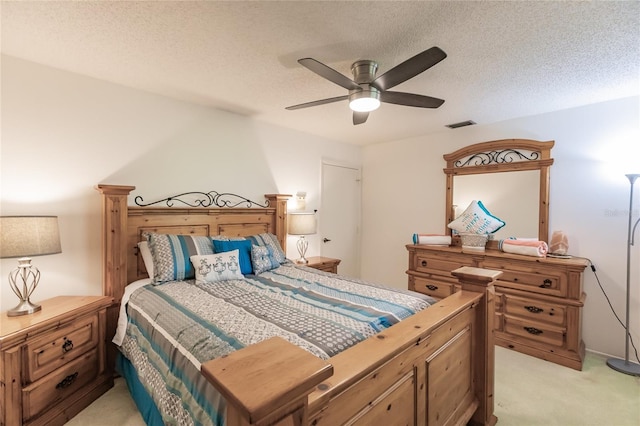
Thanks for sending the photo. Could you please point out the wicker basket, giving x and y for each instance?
(473, 242)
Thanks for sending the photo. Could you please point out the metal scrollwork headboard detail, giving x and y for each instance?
(498, 157)
(207, 199)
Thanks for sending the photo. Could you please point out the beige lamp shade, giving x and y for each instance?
(302, 223)
(26, 236)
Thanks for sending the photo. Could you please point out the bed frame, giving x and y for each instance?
(434, 368)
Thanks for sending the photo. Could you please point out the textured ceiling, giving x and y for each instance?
(505, 59)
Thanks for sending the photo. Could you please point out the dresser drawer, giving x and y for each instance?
(535, 310)
(536, 278)
(59, 384)
(432, 288)
(438, 265)
(534, 331)
(58, 348)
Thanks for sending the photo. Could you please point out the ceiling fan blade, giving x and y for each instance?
(409, 68)
(320, 102)
(410, 99)
(359, 117)
(329, 73)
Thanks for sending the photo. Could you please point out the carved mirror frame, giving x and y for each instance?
(505, 155)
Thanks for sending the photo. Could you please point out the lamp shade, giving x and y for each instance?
(302, 223)
(25, 236)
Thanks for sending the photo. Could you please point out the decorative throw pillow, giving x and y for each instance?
(262, 259)
(476, 219)
(271, 241)
(244, 247)
(171, 255)
(212, 268)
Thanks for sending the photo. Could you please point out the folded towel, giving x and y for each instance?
(524, 247)
(432, 239)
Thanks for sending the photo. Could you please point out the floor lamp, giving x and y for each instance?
(624, 365)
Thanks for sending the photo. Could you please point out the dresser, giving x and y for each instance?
(539, 301)
(52, 362)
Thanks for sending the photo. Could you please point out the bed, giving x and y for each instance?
(433, 366)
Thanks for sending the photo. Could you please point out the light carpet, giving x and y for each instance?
(528, 392)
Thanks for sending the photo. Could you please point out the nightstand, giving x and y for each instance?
(323, 263)
(53, 362)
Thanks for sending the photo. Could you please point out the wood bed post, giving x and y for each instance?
(114, 253)
(279, 201)
(481, 281)
(281, 375)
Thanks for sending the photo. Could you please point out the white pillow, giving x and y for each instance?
(147, 258)
(212, 268)
(476, 219)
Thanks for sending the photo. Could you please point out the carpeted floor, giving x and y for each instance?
(529, 392)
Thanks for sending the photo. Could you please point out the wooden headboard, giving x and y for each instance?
(123, 226)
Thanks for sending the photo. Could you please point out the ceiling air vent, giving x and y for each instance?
(461, 124)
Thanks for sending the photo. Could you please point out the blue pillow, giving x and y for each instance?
(243, 246)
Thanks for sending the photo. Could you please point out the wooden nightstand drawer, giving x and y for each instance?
(326, 264)
(56, 349)
(58, 385)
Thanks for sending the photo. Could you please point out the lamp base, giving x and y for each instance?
(623, 366)
(25, 307)
(302, 245)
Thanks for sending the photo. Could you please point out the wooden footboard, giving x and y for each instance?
(435, 368)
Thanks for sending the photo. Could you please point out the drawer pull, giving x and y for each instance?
(546, 283)
(432, 287)
(67, 345)
(424, 263)
(533, 330)
(67, 381)
(534, 309)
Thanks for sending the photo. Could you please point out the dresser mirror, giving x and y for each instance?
(510, 177)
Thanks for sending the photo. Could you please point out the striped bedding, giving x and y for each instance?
(172, 328)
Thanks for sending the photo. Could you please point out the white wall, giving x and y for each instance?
(63, 133)
(404, 190)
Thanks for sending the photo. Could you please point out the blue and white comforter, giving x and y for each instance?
(174, 327)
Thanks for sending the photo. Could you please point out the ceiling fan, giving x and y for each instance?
(366, 91)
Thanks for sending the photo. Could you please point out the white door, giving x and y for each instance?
(340, 216)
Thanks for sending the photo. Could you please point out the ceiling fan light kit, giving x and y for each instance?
(365, 100)
(366, 91)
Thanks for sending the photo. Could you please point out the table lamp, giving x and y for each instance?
(24, 237)
(302, 223)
